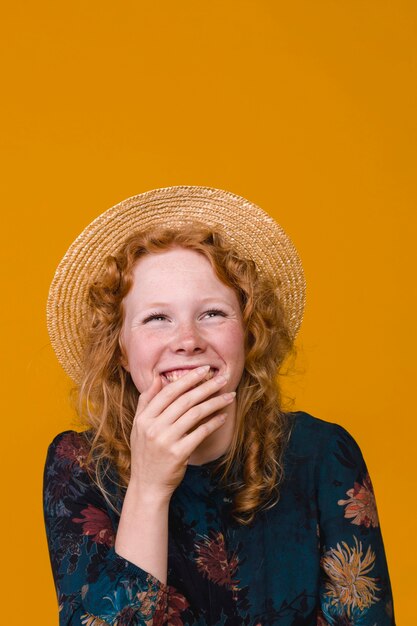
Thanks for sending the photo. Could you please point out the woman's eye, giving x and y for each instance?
(156, 317)
(214, 313)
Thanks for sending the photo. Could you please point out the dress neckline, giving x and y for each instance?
(204, 469)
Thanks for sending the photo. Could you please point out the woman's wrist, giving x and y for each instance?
(142, 535)
(145, 495)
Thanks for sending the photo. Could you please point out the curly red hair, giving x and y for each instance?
(253, 466)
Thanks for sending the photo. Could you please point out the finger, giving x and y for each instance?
(147, 395)
(191, 418)
(171, 392)
(193, 398)
(190, 442)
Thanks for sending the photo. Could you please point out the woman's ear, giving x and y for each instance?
(123, 362)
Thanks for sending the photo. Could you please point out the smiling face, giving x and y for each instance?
(179, 315)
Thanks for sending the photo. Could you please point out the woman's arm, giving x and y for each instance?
(142, 534)
(94, 585)
(355, 585)
(101, 576)
(165, 432)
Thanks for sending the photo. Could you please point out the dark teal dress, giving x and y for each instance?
(315, 558)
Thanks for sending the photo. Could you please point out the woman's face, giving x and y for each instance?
(178, 316)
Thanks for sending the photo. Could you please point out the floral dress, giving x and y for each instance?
(316, 558)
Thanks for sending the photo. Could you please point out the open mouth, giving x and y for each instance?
(174, 375)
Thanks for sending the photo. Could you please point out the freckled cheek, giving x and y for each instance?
(232, 347)
(236, 340)
(142, 354)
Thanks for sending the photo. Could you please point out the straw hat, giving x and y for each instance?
(251, 231)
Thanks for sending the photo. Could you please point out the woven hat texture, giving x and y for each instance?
(252, 232)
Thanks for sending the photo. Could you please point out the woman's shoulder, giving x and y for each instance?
(71, 441)
(69, 458)
(69, 448)
(70, 435)
(308, 424)
(312, 436)
(324, 451)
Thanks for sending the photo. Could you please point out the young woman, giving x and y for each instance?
(191, 497)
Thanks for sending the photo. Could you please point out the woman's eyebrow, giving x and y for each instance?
(155, 305)
(203, 301)
(215, 300)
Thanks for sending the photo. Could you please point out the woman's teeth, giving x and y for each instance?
(174, 375)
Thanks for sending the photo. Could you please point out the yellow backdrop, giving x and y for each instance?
(306, 108)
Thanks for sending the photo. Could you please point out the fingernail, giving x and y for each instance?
(230, 395)
(220, 379)
(203, 369)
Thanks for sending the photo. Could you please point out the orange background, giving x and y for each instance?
(306, 108)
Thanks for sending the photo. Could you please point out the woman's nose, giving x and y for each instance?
(188, 339)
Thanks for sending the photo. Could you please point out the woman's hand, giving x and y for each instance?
(167, 429)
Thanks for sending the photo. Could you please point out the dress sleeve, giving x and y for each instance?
(94, 585)
(354, 580)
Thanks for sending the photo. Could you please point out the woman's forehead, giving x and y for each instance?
(175, 257)
(176, 272)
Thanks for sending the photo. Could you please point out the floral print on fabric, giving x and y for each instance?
(349, 587)
(91, 620)
(213, 562)
(361, 505)
(96, 524)
(320, 619)
(95, 587)
(316, 558)
(177, 603)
